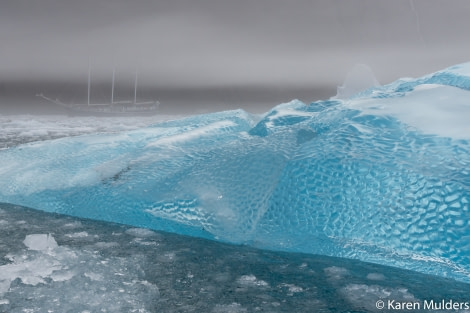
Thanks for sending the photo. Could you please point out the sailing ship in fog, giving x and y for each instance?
(113, 108)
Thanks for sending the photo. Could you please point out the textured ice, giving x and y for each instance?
(382, 176)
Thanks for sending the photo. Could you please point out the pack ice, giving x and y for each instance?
(381, 176)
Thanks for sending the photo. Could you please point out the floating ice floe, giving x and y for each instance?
(40, 242)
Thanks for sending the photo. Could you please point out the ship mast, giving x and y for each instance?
(135, 88)
(89, 82)
(112, 88)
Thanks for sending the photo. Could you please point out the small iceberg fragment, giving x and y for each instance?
(40, 242)
(360, 78)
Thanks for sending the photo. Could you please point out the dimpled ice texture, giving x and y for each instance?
(382, 176)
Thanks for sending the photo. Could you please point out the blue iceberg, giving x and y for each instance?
(382, 176)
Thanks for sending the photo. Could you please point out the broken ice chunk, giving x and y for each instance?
(40, 242)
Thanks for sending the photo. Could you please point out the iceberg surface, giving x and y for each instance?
(382, 176)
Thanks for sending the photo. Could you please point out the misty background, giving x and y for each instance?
(217, 54)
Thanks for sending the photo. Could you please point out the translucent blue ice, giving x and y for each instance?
(383, 176)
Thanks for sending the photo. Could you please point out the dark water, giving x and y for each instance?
(91, 266)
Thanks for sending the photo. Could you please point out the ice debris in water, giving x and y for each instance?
(382, 176)
(184, 274)
(41, 242)
(229, 308)
(336, 273)
(375, 276)
(140, 232)
(366, 296)
(31, 269)
(105, 282)
(251, 281)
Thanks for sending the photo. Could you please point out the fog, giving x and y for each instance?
(211, 44)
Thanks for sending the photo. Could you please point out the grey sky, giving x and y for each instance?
(200, 43)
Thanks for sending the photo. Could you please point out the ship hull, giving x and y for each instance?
(71, 111)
